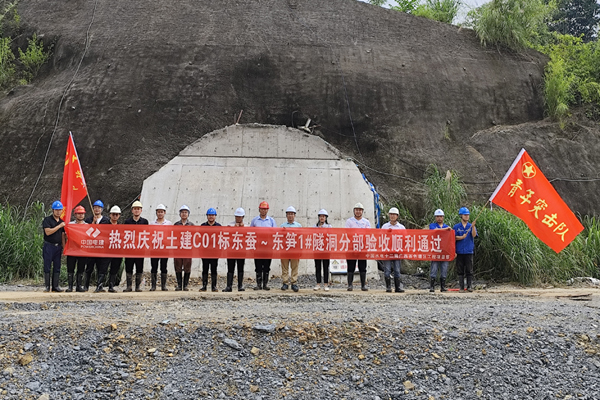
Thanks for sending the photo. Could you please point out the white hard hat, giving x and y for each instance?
(359, 205)
(394, 210)
(439, 212)
(115, 210)
(290, 209)
(239, 212)
(184, 208)
(161, 207)
(323, 211)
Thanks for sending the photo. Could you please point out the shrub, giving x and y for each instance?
(557, 94)
(21, 242)
(7, 58)
(33, 58)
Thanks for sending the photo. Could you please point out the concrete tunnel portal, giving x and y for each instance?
(242, 165)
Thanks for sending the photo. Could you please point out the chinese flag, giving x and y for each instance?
(526, 193)
(73, 185)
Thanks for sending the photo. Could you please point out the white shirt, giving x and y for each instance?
(165, 222)
(388, 225)
(357, 223)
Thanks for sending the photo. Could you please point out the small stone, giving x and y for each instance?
(27, 346)
(435, 355)
(25, 359)
(441, 370)
(530, 329)
(113, 327)
(165, 322)
(254, 388)
(34, 386)
(408, 385)
(151, 351)
(45, 396)
(233, 344)
(361, 356)
(255, 351)
(270, 328)
(106, 350)
(8, 371)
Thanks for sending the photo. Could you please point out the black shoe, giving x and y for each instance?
(186, 281)
(204, 285)
(469, 283)
(258, 282)
(111, 283)
(229, 283)
(227, 289)
(138, 282)
(78, 282)
(432, 285)
(179, 277)
(284, 286)
(129, 278)
(265, 281)
(86, 281)
(364, 288)
(461, 282)
(55, 279)
(99, 288)
(350, 288)
(163, 282)
(295, 287)
(388, 285)
(398, 285)
(443, 285)
(70, 282)
(47, 282)
(153, 277)
(241, 281)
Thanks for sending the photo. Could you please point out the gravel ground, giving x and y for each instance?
(311, 345)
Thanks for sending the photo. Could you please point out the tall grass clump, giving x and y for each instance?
(444, 190)
(21, 242)
(557, 90)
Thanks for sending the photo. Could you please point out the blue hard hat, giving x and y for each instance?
(211, 211)
(99, 203)
(463, 211)
(57, 205)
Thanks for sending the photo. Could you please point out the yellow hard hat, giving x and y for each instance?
(137, 203)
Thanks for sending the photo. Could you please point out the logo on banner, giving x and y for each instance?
(93, 232)
(92, 243)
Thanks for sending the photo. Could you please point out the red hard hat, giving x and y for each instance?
(264, 204)
(79, 210)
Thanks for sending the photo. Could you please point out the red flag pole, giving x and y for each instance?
(87, 192)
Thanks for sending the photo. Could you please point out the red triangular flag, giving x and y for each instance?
(73, 186)
(526, 193)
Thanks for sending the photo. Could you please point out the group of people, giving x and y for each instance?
(80, 269)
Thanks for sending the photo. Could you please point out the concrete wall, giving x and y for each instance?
(242, 165)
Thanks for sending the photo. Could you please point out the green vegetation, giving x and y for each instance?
(21, 242)
(506, 249)
(438, 10)
(578, 18)
(24, 68)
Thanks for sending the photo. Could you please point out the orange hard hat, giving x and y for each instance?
(264, 204)
(79, 210)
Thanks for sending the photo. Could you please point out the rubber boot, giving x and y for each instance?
(432, 285)
(129, 283)
(111, 283)
(179, 286)
(461, 282)
(70, 280)
(100, 287)
(138, 282)
(258, 281)
(398, 285)
(213, 283)
(229, 283)
(443, 285)
(79, 282)
(350, 282)
(388, 285)
(47, 282)
(241, 282)
(186, 281)
(204, 281)
(55, 278)
(363, 281)
(265, 281)
(86, 281)
(153, 277)
(469, 283)
(163, 282)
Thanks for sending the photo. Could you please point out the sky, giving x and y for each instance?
(465, 8)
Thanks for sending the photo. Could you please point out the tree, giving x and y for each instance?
(577, 17)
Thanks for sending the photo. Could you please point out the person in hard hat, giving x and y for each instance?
(53, 227)
(183, 265)
(99, 263)
(239, 215)
(135, 219)
(465, 247)
(396, 263)
(322, 223)
(160, 219)
(442, 266)
(212, 263)
(287, 263)
(357, 221)
(114, 262)
(262, 267)
(73, 261)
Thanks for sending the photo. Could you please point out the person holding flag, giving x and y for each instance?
(465, 247)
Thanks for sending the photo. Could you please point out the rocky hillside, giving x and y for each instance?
(143, 79)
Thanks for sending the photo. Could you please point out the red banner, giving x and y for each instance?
(73, 186)
(176, 241)
(526, 193)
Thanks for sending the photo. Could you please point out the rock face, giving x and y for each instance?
(393, 91)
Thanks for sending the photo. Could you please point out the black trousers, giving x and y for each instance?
(362, 266)
(231, 266)
(115, 265)
(325, 264)
(73, 261)
(130, 262)
(464, 264)
(100, 263)
(262, 266)
(163, 265)
(211, 263)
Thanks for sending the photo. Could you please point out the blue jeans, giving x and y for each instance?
(442, 266)
(387, 268)
(51, 255)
